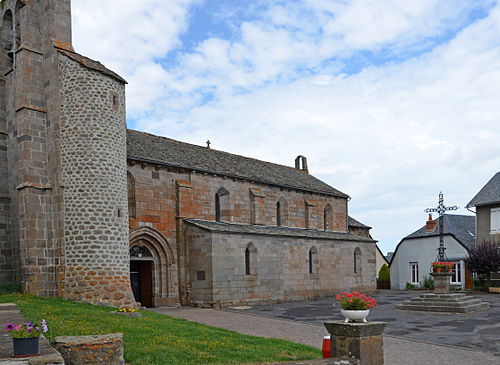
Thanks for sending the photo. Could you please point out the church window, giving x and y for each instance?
(131, 195)
(357, 261)
(250, 259)
(327, 217)
(7, 36)
(414, 273)
(222, 207)
(313, 260)
(282, 212)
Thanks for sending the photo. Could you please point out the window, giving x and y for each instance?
(327, 217)
(222, 211)
(250, 259)
(414, 272)
(278, 214)
(131, 195)
(357, 261)
(456, 274)
(495, 221)
(313, 260)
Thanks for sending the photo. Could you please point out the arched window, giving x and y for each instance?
(282, 212)
(222, 205)
(357, 261)
(131, 195)
(250, 259)
(327, 217)
(313, 260)
(7, 38)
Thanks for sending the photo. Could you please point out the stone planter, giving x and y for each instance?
(128, 314)
(25, 347)
(355, 316)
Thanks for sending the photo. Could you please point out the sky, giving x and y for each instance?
(390, 101)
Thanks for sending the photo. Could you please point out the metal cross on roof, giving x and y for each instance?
(441, 209)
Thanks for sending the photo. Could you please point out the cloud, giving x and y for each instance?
(391, 102)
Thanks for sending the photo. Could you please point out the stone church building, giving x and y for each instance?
(93, 212)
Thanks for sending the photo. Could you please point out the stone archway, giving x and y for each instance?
(152, 264)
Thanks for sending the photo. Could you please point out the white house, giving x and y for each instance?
(412, 259)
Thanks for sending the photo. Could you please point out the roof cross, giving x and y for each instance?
(441, 209)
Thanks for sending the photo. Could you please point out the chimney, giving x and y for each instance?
(301, 160)
(431, 225)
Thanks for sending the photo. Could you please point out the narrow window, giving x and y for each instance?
(357, 260)
(278, 214)
(222, 208)
(327, 217)
(310, 262)
(313, 260)
(414, 273)
(247, 261)
(131, 195)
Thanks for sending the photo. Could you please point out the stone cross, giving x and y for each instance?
(208, 144)
(441, 209)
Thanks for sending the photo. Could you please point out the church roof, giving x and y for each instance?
(463, 227)
(274, 230)
(155, 149)
(354, 223)
(489, 194)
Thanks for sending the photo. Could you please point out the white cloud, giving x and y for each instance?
(391, 136)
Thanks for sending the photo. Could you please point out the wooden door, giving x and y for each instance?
(146, 273)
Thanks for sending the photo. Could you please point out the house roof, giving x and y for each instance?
(274, 230)
(461, 227)
(146, 147)
(489, 194)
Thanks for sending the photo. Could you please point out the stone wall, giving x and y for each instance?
(281, 267)
(94, 171)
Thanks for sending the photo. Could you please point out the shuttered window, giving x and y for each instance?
(495, 220)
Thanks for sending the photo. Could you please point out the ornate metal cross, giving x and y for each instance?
(441, 209)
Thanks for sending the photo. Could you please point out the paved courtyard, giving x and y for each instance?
(477, 331)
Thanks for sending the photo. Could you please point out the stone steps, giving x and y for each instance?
(443, 303)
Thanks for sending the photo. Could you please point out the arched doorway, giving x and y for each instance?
(152, 268)
(141, 275)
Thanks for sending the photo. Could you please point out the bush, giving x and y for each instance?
(479, 284)
(7, 288)
(410, 286)
(428, 283)
(385, 273)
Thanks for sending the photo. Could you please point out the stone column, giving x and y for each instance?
(362, 341)
(441, 282)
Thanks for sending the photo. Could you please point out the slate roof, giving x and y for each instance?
(274, 230)
(463, 227)
(354, 223)
(150, 148)
(489, 194)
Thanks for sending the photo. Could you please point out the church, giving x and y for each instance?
(93, 212)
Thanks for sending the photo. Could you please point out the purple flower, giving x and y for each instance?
(44, 325)
(9, 327)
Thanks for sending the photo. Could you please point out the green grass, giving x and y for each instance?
(156, 338)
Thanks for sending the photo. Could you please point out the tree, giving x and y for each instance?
(484, 259)
(385, 273)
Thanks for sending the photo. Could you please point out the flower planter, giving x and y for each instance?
(437, 269)
(25, 347)
(355, 316)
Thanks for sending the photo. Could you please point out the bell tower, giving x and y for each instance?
(63, 142)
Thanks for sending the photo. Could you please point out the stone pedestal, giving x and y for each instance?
(91, 350)
(362, 341)
(441, 282)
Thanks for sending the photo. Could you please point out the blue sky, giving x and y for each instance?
(391, 102)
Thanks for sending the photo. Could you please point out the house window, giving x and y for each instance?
(357, 260)
(250, 259)
(313, 260)
(495, 220)
(456, 274)
(414, 272)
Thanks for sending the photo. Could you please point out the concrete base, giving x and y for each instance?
(363, 341)
(443, 303)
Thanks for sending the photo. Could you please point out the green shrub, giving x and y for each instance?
(479, 284)
(428, 283)
(12, 287)
(410, 286)
(385, 273)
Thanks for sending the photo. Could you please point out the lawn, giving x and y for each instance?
(156, 338)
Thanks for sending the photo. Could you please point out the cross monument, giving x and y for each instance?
(441, 209)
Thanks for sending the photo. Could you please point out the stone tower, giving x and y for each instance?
(63, 184)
